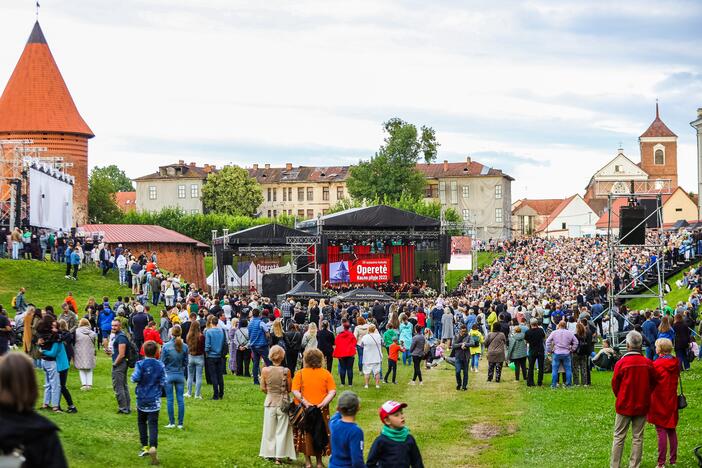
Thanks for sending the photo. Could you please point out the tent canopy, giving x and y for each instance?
(372, 217)
(265, 234)
(681, 223)
(303, 289)
(364, 294)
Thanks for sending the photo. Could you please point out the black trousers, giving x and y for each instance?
(533, 358)
(75, 271)
(520, 363)
(392, 367)
(216, 370)
(346, 369)
(291, 361)
(417, 361)
(243, 363)
(330, 361)
(494, 368)
(63, 375)
(461, 367)
(150, 418)
(68, 269)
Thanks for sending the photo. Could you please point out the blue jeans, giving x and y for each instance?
(651, 352)
(406, 358)
(436, 329)
(555, 364)
(359, 350)
(52, 384)
(461, 366)
(258, 353)
(195, 366)
(15, 250)
(176, 381)
(474, 360)
(682, 358)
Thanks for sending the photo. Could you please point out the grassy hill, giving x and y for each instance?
(46, 285)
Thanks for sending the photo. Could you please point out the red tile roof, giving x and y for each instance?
(658, 128)
(542, 207)
(556, 211)
(298, 174)
(139, 233)
(126, 200)
(459, 169)
(36, 98)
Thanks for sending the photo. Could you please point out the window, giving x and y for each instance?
(325, 193)
(678, 209)
(466, 191)
(300, 213)
(300, 194)
(269, 196)
(466, 215)
(285, 194)
(340, 193)
(269, 211)
(431, 191)
(617, 168)
(659, 157)
(289, 194)
(181, 191)
(310, 193)
(310, 214)
(454, 192)
(194, 211)
(498, 215)
(194, 191)
(275, 213)
(152, 192)
(275, 194)
(498, 192)
(442, 192)
(563, 225)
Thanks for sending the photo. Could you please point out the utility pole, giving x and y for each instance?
(697, 125)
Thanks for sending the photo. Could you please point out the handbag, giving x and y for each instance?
(285, 401)
(682, 401)
(296, 412)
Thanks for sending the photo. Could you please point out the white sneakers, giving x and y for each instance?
(186, 395)
(170, 426)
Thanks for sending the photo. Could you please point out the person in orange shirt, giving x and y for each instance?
(71, 301)
(313, 386)
(393, 352)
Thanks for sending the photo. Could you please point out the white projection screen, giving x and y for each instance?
(50, 201)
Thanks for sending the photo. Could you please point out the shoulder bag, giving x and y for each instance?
(682, 401)
(296, 412)
(285, 401)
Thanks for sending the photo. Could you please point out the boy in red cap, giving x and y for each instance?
(395, 447)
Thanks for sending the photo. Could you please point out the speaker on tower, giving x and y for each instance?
(632, 228)
(444, 248)
(321, 249)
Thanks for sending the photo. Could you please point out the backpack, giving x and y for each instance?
(474, 341)
(132, 354)
(14, 302)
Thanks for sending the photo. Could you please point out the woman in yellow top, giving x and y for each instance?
(313, 386)
(474, 335)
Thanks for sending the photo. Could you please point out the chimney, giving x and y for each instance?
(445, 165)
(192, 164)
(208, 168)
(468, 160)
(699, 112)
(255, 167)
(288, 166)
(181, 162)
(268, 166)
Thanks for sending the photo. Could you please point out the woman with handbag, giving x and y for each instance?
(663, 412)
(277, 437)
(314, 387)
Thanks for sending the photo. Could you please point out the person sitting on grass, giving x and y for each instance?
(395, 446)
(346, 436)
(150, 377)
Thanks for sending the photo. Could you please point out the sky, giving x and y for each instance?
(544, 90)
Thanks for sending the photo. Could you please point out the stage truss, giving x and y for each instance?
(615, 249)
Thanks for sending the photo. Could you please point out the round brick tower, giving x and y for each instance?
(37, 105)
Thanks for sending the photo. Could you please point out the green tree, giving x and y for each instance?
(392, 172)
(232, 191)
(119, 179)
(102, 206)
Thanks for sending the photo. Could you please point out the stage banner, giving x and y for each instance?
(369, 270)
(461, 258)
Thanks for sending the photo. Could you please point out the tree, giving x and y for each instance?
(232, 191)
(392, 172)
(102, 206)
(119, 179)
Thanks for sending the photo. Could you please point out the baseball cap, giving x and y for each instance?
(390, 407)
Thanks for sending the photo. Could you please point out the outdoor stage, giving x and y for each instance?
(379, 246)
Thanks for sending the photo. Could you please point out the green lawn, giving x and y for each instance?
(208, 265)
(673, 297)
(45, 283)
(453, 277)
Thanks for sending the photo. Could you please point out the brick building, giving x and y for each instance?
(176, 253)
(36, 105)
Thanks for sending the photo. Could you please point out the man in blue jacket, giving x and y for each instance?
(75, 262)
(258, 342)
(650, 333)
(67, 259)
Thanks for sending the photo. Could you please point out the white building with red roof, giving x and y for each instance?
(571, 218)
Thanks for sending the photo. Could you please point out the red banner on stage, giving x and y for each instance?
(370, 270)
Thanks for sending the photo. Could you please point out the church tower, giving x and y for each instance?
(659, 152)
(37, 105)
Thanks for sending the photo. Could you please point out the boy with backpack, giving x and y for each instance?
(395, 446)
(150, 377)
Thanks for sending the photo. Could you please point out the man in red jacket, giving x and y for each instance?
(632, 383)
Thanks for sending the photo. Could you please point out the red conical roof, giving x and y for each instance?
(658, 128)
(36, 97)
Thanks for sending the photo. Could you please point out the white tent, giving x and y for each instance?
(231, 279)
